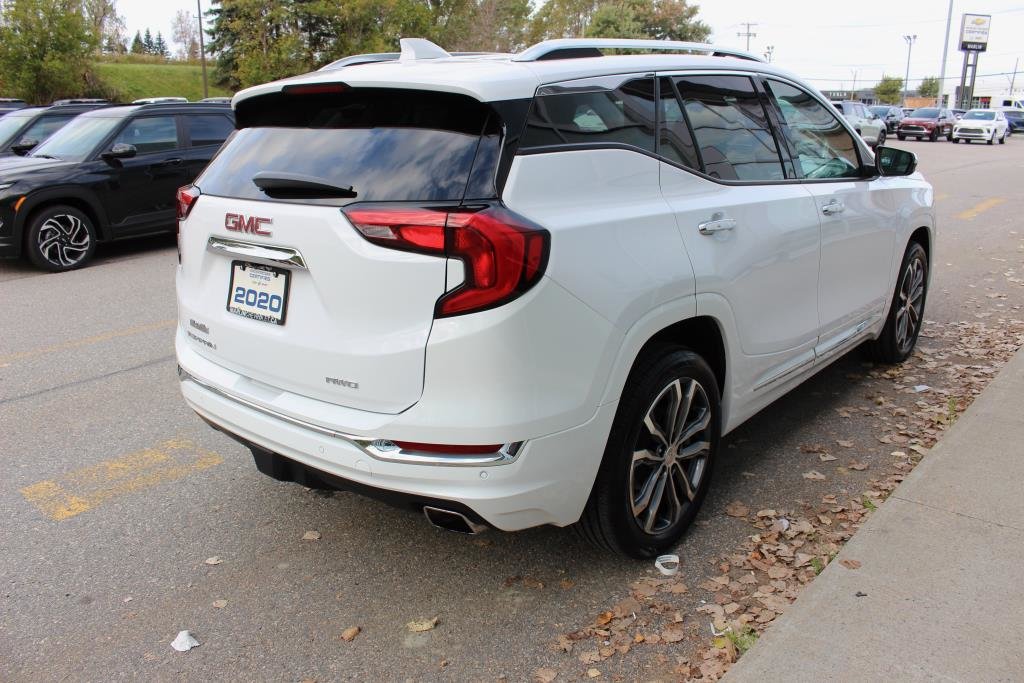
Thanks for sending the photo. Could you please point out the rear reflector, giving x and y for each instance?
(447, 448)
(504, 254)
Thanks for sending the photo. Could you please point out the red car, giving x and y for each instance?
(927, 122)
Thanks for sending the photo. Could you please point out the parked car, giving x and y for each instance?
(867, 124)
(1014, 120)
(22, 130)
(907, 111)
(110, 173)
(927, 122)
(536, 288)
(890, 114)
(988, 125)
(8, 104)
(958, 113)
(217, 100)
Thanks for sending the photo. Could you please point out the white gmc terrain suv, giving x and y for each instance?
(513, 290)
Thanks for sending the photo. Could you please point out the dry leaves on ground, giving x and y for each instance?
(349, 634)
(420, 625)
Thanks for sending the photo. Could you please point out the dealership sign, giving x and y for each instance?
(974, 30)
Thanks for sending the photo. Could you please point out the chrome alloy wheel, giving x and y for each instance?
(63, 240)
(671, 455)
(909, 305)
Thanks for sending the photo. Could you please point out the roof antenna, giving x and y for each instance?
(420, 48)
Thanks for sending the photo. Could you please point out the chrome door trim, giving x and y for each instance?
(843, 339)
(283, 257)
(800, 362)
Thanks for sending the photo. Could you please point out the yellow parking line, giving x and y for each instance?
(941, 196)
(86, 341)
(84, 489)
(980, 208)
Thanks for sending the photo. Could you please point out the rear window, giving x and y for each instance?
(386, 144)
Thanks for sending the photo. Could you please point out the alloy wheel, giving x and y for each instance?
(63, 240)
(910, 305)
(670, 456)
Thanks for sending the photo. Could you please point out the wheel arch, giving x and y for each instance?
(70, 196)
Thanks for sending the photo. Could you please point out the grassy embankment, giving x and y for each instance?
(134, 81)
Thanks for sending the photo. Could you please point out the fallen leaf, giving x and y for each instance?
(856, 465)
(349, 634)
(737, 509)
(604, 618)
(564, 643)
(545, 675)
(566, 583)
(590, 657)
(593, 673)
(531, 582)
(639, 638)
(813, 448)
(814, 475)
(311, 536)
(766, 513)
(420, 625)
(673, 634)
(802, 559)
(213, 560)
(220, 604)
(825, 457)
(850, 564)
(844, 443)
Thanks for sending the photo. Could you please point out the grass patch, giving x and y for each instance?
(135, 81)
(742, 641)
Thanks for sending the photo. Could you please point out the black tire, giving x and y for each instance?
(895, 345)
(956, 140)
(60, 238)
(934, 136)
(992, 139)
(881, 139)
(1002, 140)
(949, 135)
(611, 520)
(901, 136)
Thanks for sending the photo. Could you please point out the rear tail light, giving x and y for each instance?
(184, 201)
(504, 254)
(187, 197)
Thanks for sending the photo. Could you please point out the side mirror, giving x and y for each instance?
(121, 151)
(24, 146)
(890, 161)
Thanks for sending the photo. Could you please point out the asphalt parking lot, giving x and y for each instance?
(114, 495)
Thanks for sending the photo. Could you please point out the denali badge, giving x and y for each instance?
(199, 326)
(251, 224)
(342, 382)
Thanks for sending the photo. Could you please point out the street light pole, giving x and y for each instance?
(202, 48)
(945, 51)
(769, 52)
(910, 46)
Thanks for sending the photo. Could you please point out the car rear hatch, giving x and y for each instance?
(279, 285)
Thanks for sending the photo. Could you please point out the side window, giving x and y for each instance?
(150, 134)
(675, 142)
(208, 129)
(45, 126)
(624, 115)
(730, 127)
(823, 146)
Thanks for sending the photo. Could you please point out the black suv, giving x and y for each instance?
(10, 104)
(110, 173)
(22, 130)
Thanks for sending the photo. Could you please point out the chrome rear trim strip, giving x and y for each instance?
(283, 257)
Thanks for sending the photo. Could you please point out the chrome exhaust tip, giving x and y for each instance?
(449, 520)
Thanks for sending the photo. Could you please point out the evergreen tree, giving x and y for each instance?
(138, 47)
(147, 42)
(160, 47)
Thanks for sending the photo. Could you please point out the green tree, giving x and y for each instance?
(147, 42)
(889, 89)
(45, 49)
(615, 20)
(657, 19)
(929, 87)
(138, 47)
(160, 47)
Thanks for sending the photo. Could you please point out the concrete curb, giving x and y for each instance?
(942, 569)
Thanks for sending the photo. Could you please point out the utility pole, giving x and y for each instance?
(769, 52)
(1013, 78)
(910, 46)
(945, 51)
(747, 34)
(202, 48)
(853, 90)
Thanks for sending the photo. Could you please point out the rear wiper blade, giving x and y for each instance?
(283, 185)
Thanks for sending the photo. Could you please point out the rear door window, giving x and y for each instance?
(730, 127)
(150, 134)
(623, 116)
(386, 144)
(208, 129)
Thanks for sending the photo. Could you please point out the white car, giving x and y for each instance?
(988, 125)
(514, 290)
(867, 123)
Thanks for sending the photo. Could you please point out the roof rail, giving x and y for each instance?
(590, 47)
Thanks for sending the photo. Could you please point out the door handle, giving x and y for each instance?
(172, 162)
(716, 225)
(833, 207)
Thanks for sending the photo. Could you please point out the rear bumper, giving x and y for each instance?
(548, 480)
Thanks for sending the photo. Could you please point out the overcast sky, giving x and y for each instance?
(824, 41)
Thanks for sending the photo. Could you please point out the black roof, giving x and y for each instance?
(121, 111)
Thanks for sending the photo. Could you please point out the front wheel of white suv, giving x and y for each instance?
(658, 460)
(906, 313)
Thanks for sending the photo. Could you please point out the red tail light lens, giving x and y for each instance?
(447, 449)
(187, 197)
(504, 254)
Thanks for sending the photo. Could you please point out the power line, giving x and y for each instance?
(747, 34)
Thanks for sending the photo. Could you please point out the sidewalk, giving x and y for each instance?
(942, 569)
